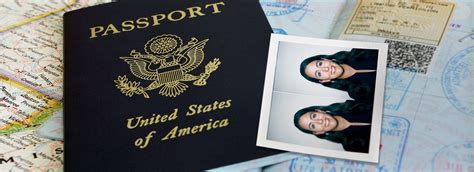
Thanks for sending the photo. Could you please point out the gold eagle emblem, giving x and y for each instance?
(167, 64)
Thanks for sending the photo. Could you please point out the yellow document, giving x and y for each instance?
(422, 21)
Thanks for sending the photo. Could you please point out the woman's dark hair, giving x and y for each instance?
(300, 113)
(338, 58)
(339, 84)
(305, 63)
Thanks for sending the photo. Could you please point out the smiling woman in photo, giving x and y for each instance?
(324, 97)
(352, 71)
(347, 123)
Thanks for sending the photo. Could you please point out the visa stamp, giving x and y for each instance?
(457, 81)
(282, 7)
(397, 85)
(394, 137)
(279, 31)
(414, 21)
(455, 157)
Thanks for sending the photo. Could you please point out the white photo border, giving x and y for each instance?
(376, 125)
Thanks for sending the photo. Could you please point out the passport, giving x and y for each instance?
(164, 85)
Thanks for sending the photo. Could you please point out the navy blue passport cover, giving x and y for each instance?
(175, 93)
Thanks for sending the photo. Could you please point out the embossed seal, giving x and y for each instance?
(167, 64)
